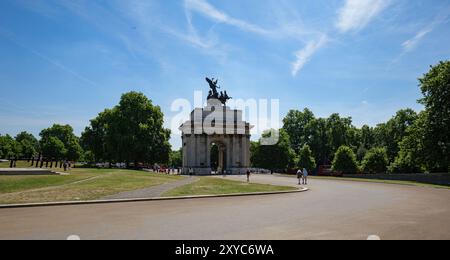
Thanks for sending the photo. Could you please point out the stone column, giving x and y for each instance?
(197, 150)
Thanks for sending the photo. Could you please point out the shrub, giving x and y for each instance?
(306, 159)
(375, 161)
(404, 163)
(345, 161)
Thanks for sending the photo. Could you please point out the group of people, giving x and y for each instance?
(168, 171)
(172, 170)
(302, 176)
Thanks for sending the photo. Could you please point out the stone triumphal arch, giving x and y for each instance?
(216, 139)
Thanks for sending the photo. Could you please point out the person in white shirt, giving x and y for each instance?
(299, 176)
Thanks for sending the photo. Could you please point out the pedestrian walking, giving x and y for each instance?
(305, 176)
(300, 176)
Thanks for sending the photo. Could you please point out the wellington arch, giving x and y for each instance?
(215, 139)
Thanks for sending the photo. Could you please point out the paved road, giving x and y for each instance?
(330, 210)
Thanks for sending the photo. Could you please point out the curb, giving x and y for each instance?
(74, 203)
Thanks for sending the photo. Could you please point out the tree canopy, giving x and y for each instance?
(413, 142)
(375, 161)
(390, 134)
(9, 147)
(53, 148)
(176, 158)
(132, 131)
(345, 161)
(306, 159)
(60, 142)
(296, 126)
(435, 87)
(279, 156)
(29, 144)
(323, 135)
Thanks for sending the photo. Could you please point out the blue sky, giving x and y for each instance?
(64, 61)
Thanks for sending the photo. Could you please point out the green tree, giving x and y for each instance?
(366, 141)
(98, 138)
(340, 132)
(324, 136)
(435, 86)
(367, 137)
(63, 133)
(390, 134)
(361, 152)
(412, 155)
(74, 150)
(29, 144)
(9, 148)
(176, 158)
(274, 157)
(88, 157)
(295, 124)
(375, 161)
(53, 148)
(306, 159)
(319, 140)
(345, 160)
(130, 132)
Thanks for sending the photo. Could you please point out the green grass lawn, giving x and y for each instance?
(216, 186)
(81, 184)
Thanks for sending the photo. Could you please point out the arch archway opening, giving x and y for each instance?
(218, 158)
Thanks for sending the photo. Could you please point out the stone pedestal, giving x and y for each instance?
(219, 125)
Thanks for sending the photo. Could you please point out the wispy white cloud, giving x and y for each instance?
(305, 54)
(286, 28)
(357, 14)
(207, 10)
(412, 43)
(285, 25)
